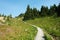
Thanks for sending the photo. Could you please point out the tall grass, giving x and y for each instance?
(15, 29)
(49, 24)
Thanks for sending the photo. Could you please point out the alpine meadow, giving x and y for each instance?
(30, 20)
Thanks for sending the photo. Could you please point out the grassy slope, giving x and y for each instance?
(17, 30)
(49, 24)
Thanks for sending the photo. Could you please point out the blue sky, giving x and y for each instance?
(15, 7)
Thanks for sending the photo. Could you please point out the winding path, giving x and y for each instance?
(40, 34)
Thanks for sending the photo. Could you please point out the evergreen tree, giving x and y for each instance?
(35, 12)
(53, 10)
(44, 11)
(30, 13)
(27, 13)
(10, 16)
(21, 15)
(0, 15)
(58, 10)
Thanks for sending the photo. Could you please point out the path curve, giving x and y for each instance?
(40, 33)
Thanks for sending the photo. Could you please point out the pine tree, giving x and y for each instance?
(27, 13)
(58, 10)
(53, 10)
(44, 11)
(35, 12)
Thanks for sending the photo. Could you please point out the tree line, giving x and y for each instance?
(7, 18)
(45, 11)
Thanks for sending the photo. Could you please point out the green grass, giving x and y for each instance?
(47, 36)
(15, 29)
(49, 24)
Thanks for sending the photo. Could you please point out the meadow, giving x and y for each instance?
(16, 29)
(50, 25)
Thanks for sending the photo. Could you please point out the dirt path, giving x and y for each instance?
(40, 34)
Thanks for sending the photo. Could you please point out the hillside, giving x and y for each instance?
(15, 29)
(49, 24)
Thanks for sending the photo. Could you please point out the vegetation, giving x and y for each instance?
(45, 11)
(47, 19)
(21, 15)
(49, 24)
(16, 29)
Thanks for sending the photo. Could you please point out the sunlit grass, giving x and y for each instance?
(49, 24)
(15, 29)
